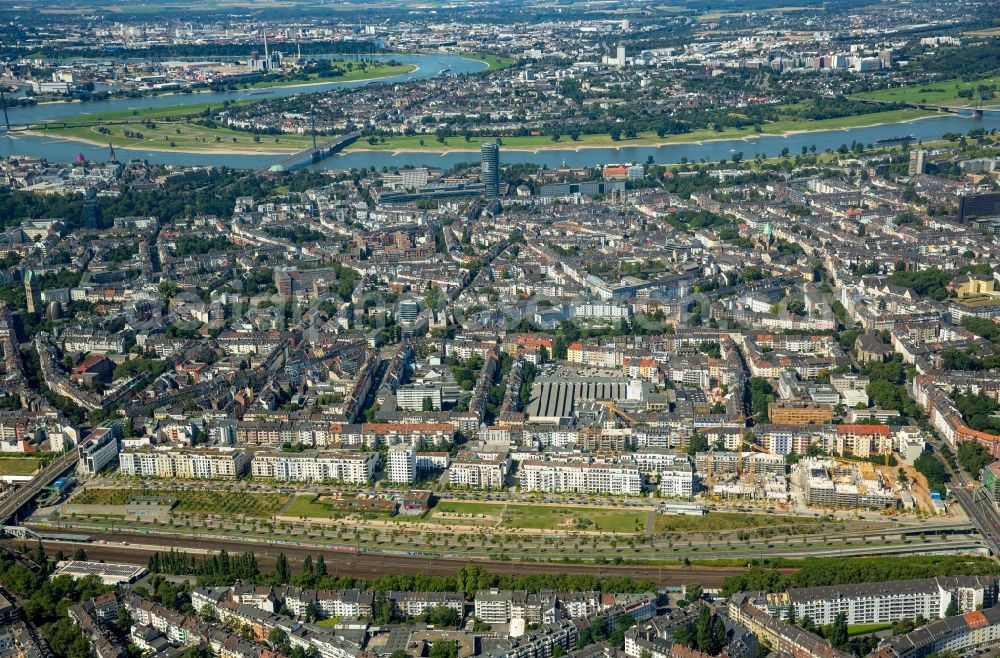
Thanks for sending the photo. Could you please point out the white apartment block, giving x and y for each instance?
(98, 451)
(214, 464)
(402, 465)
(346, 604)
(676, 476)
(432, 461)
(878, 603)
(411, 396)
(677, 481)
(479, 471)
(580, 477)
(601, 311)
(496, 606)
(316, 466)
(413, 604)
(95, 341)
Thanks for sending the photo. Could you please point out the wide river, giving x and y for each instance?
(58, 150)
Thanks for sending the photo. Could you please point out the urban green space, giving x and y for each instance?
(457, 515)
(585, 531)
(194, 501)
(539, 517)
(645, 138)
(348, 72)
(187, 127)
(864, 629)
(493, 543)
(944, 92)
(719, 521)
(169, 135)
(494, 62)
(19, 465)
(184, 127)
(307, 507)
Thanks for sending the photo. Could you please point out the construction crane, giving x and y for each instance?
(710, 463)
(739, 452)
(610, 406)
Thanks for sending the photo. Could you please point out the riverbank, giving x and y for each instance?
(942, 92)
(492, 62)
(208, 148)
(538, 143)
(182, 137)
(379, 72)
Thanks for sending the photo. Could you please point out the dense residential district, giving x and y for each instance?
(499, 329)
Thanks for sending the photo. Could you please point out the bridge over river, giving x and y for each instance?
(314, 153)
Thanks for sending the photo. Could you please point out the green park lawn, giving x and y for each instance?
(456, 507)
(371, 71)
(494, 62)
(646, 138)
(544, 517)
(19, 465)
(718, 521)
(461, 513)
(540, 517)
(178, 135)
(180, 111)
(307, 507)
(553, 517)
(863, 629)
(944, 92)
(622, 522)
(172, 129)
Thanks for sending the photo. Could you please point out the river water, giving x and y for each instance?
(58, 150)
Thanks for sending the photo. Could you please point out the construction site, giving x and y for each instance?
(746, 476)
(839, 483)
(752, 474)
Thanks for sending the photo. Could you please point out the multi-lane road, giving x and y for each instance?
(981, 510)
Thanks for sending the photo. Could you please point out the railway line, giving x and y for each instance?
(132, 548)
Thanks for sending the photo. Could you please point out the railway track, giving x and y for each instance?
(130, 548)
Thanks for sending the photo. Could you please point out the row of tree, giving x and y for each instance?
(223, 569)
(816, 572)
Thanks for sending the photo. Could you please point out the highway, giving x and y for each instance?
(982, 511)
(12, 504)
(980, 508)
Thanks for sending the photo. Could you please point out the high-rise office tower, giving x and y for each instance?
(91, 215)
(490, 169)
(917, 162)
(32, 292)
